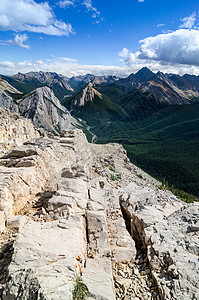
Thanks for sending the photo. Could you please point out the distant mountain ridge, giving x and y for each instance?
(166, 88)
(47, 78)
(28, 82)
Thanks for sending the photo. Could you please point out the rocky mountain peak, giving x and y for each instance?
(144, 74)
(86, 95)
(45, 110)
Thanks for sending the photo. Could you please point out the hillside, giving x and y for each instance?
(155, 116)
(161, 139)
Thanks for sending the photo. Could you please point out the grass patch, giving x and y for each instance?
(186, 197)
(80, 291)
(180, 194)
(111, 169)
(114, 178)
(140, 176)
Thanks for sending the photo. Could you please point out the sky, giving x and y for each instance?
(76, 37)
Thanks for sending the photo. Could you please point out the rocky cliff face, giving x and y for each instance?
(70, 209)
(5, 100)
(86, 95)
(40, 106)
(45, 110)
(14, 130)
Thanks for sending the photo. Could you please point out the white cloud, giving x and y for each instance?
(160, 25)
(180, 46)
(70, 67)
(59, 28)
(140, 0)
(188, 22)
(19, 41)
(124, 52)
(128, 57)
(7, 64)
(63, 66)
(95, 12)
(27, 15)
(65, 3)
(67, 59)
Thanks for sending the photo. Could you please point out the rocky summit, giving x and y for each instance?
(79, 218)
(86, 95)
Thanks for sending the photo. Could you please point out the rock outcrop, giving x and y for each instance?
(86, 95)
(74, 213)
(15, 130)
(6, 101)
(41, 106)
(45, 110)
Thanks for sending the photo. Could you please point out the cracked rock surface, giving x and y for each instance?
(70, 209)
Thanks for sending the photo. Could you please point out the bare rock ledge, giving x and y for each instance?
(70, 209)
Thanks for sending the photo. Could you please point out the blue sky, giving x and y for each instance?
(75, 37)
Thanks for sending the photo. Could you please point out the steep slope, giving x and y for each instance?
(144, 74)
(77, 214)
(5, 99)
(5, 86)
(110, 103)
(161, 139)
(45, 110)
(7, 102)
(86, 95)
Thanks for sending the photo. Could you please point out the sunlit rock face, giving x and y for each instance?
(70, 209)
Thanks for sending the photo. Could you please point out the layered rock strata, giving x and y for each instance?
(14, 130)
(74, 211)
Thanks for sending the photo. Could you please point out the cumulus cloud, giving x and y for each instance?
(140, 0)
(128, 57)
(19, 41)
(180, 46)
(188, 22)
(27, 15)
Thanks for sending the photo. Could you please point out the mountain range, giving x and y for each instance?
(166, 88)
(154, 116)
